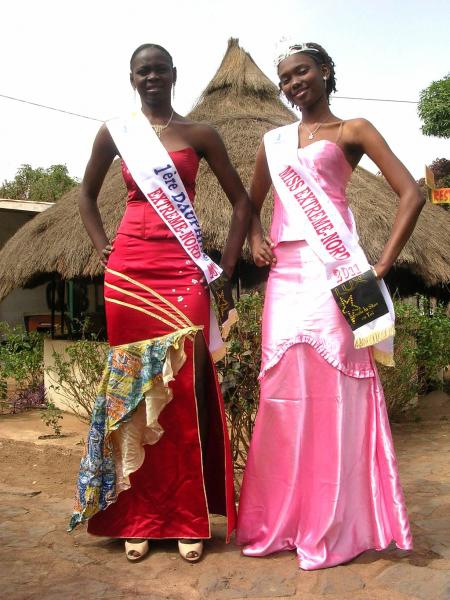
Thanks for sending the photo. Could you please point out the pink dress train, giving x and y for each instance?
(321, 476)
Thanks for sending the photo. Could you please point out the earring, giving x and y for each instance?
(173, 92)
(325, 78)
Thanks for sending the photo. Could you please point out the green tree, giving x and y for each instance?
(434, 108)
(39, 185)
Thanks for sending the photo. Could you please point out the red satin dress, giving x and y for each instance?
(155, 292)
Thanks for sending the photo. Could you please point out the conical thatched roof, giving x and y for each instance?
(242, 103)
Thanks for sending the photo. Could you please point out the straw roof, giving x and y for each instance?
(242, 103)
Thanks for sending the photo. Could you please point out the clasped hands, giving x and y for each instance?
(262, 251)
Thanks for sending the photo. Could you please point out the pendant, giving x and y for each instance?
(310, 136)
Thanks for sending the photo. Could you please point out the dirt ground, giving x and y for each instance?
(39, 560)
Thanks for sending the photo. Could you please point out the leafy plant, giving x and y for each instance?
(76, 374)
(21, 358)
(239, 375)
(441, 170)
(51, 417)
(40, 185)
(28, 398)
(433, 345)
(434, 108)
(422, 351)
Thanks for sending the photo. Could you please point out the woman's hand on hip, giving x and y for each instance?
(105, 253)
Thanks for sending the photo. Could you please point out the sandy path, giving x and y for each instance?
(38, 560)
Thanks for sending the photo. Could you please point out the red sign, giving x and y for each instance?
(440, 195)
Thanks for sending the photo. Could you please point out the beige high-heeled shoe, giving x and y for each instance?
(136, 549)
(191, 552)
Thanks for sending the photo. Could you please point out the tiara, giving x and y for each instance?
(293, 49)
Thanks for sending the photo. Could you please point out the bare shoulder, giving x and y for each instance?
(358, 126)
(103, 140)
(201, 136)
(358, 134)
(358, 130)
(201, 129)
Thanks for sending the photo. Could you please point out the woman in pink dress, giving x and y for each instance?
(321, 477)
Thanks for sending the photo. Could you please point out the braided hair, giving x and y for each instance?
(321, 57)
(144, 47)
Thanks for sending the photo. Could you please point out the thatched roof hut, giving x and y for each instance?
(242, 103)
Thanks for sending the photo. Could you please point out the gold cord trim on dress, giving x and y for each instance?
(139, 308)
(149, 302)
(151, 291)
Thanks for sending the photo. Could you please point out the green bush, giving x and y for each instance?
(238, 373)
(422, 351)
(433, 345)
(21, 358)
(51, 417)
(400, 384)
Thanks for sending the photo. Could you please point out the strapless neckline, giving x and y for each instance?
(325, 142)
(186, 149)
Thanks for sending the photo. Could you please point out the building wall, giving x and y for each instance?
(23, 302)
(12, 221)
(53, 392)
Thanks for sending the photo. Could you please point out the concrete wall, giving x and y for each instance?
(52, 394)
(20, 302)
(11, 221)
(23, 302)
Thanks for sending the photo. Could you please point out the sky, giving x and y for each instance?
(75, 56)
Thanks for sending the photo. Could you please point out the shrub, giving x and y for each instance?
(433, 345)
(21, 358)
(76, 374)
(28, 398)
(400, 384)
(51, 417)
(239, 375)
(422, 350)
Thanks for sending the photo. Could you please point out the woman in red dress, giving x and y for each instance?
(158, 459)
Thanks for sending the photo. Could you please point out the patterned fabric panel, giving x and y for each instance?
(132, 370)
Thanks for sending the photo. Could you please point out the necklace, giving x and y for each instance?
(158, 129)
(314, 131)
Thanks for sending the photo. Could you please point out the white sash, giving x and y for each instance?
(154, 172)
(324, 229)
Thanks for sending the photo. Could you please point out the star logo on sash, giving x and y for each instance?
(349, 308)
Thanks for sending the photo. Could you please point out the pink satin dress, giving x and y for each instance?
(321, 476)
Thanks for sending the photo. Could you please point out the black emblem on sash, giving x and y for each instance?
(360, 299)
(221, 290)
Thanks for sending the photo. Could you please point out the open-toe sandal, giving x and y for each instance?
(191, 552)
(136, 549)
